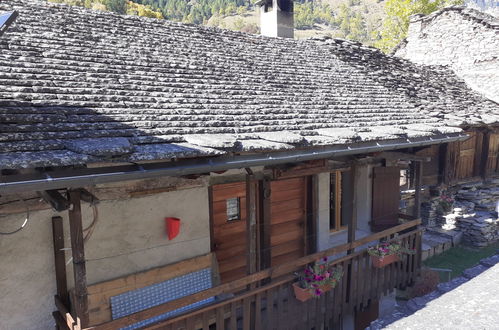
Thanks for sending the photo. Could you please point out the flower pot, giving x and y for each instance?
(379, 262)
(325, 287)
(301, 294)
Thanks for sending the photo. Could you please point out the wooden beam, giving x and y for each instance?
(352, 222)
(55, 199)
(418, 169)
(313, 207)
(251, 224)
(265, 225)
(484, 157)
(80, 276)
(443, 164)
(65, 315)
(60, 260)
(392, 155)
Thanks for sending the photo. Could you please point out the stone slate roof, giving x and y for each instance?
(80, 86)
(464, 39)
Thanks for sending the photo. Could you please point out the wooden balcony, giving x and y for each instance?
(265, 300)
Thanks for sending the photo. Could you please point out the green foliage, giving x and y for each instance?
(396, 22)
(310, 13)
(117, 6)
(195, 11)
(238, 24)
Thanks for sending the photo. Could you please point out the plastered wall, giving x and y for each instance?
(129, 236)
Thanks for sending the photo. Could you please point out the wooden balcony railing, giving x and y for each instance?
(273, 305)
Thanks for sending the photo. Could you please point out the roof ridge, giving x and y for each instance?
(467, 12)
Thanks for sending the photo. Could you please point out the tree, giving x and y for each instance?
(117, 6)
(396, 22)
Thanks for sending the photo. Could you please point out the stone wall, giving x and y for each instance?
(464, 39)
(473, 213)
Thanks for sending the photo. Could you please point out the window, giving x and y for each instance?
(268, 6)
(233, 209)
(340, 185)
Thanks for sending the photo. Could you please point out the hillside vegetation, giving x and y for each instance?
(378, 23)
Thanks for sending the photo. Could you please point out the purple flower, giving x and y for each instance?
(318, 292)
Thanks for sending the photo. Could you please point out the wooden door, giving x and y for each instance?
(386, 198)
(288, 218)
(229, 238)
(492, 165)
(467, 155)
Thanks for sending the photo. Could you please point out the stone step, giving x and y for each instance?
(451, 285)
(474, 271)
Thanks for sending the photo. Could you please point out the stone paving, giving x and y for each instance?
(466, 302)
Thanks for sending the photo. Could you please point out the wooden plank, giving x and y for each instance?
(60, 322)
(60, 260)
(270, 309)
(258, 310)
(233, 316)
(220, 322)
(65, 314)
(80, 303)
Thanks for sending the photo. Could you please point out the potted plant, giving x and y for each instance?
(446, 202)
(317, 279)
(386, 253)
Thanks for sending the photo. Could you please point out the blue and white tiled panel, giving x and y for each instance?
(159, 293)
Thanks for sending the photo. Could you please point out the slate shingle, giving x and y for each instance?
(68, 73)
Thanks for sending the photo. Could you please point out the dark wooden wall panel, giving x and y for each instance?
(386, 197)
(288, 213)
(229, 237)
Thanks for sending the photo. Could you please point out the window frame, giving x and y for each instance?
(338, 188)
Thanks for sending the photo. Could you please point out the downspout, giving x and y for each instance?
(186, 167)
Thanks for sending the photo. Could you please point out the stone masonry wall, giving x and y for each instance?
(474, 213)
(465, 39)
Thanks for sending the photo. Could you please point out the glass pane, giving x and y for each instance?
(332, 201)
(233, 209)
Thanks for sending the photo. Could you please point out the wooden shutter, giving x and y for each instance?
(386, 197)
(467, 154)
(493, 158)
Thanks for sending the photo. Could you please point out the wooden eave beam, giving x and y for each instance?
(391, 155)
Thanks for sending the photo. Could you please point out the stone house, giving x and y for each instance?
(164, 175)
(462, 38)
(466, 41)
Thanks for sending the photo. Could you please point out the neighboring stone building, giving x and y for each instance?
(260, 154)
(465, 39)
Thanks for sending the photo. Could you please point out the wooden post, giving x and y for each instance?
(442, 164)
(352, 223)
(484, 157)
(265, 224)
(312, 218)
(251, 209)
(417, 186)
(77, 248)
(60, 261)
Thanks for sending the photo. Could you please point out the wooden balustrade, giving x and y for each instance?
(273, 305)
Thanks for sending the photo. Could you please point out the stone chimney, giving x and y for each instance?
(276, 18)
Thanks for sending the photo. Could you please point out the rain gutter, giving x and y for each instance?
(91, 176)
